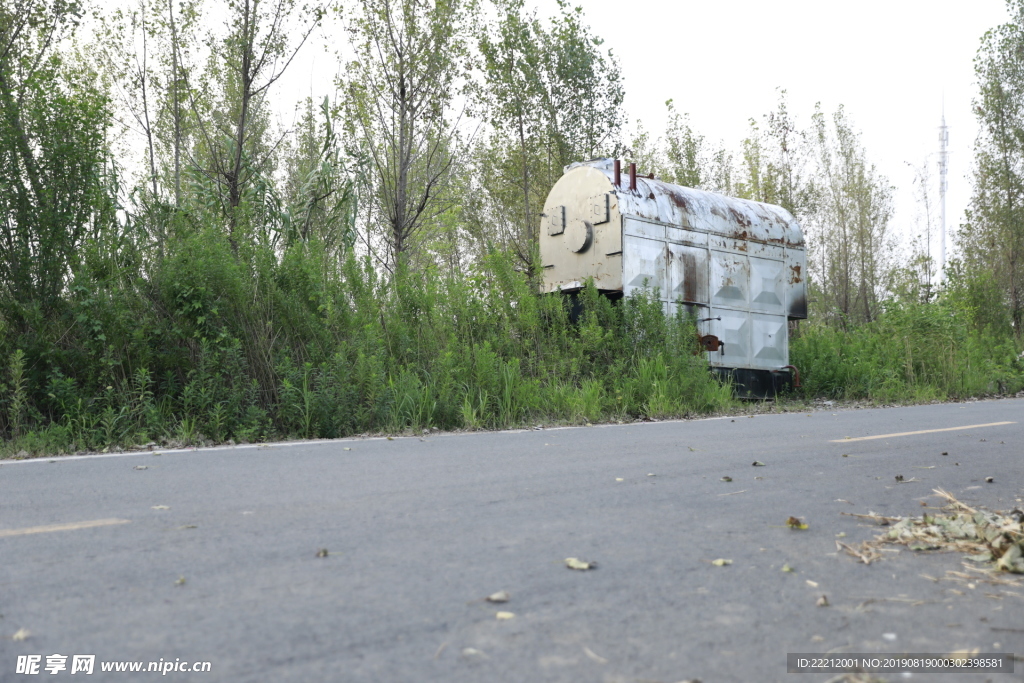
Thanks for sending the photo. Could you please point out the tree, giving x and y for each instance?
(849, 207)
(52, 152)
(232, 150)
(399, 102)
(992, 238)
(550, 97)
(318, 188)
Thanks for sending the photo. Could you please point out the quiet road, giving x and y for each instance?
(213, 555)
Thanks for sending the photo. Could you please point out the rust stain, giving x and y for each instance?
(794, 277)
(739, 217)
(690, 275)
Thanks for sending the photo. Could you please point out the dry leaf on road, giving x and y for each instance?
(575, 563)
(795, 523)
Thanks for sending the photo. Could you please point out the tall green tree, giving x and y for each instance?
(400, 102)
(53, 153)
(848, 220)
(992, 238)
(234, 155)
(552, 96)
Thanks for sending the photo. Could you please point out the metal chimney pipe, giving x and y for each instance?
(618, 173)
(632, 176)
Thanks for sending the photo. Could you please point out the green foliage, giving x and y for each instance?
(550, 96)
(992, 239)
(53, 193)
(912, 352)
(210, 348)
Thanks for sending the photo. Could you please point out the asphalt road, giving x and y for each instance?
(212, 555)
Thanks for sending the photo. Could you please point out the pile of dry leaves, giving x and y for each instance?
(994, 540)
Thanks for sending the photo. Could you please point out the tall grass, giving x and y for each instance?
(913, 352)
(206, 345)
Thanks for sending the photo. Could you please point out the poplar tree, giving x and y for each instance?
(992, 239)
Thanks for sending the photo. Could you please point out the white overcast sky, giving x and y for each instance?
(890, 62)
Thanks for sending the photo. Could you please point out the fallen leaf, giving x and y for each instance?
(500, 596)
(161, 507)
(822, 601)
(786, 568)
(726, 479)
(180, 581)
(795, 523)
(758, 463)
(846, 455)
(390, 439)
(694, 450)
(322, 552)
(619, 479)
(812, 584)
(21, 634)
(649, 474)
(347, 448)
(501, 616)
(721, 563)
(575, 563)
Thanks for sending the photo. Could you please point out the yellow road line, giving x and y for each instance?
(61, 527)
(923, 431)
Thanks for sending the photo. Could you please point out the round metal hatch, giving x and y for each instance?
(578, 235)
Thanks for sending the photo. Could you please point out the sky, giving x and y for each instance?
(893, 64)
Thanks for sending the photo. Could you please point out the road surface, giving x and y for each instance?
(215, 555)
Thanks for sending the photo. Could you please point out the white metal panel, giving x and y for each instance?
(645, 229)
(687, 271)
(769, 346)
(686, 236)
(767, 293)
(730, 279)
(733, 329)
(643, 264)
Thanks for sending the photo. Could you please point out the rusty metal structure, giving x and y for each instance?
(738, 266)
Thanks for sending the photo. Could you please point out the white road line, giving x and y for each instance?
(923, 431)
